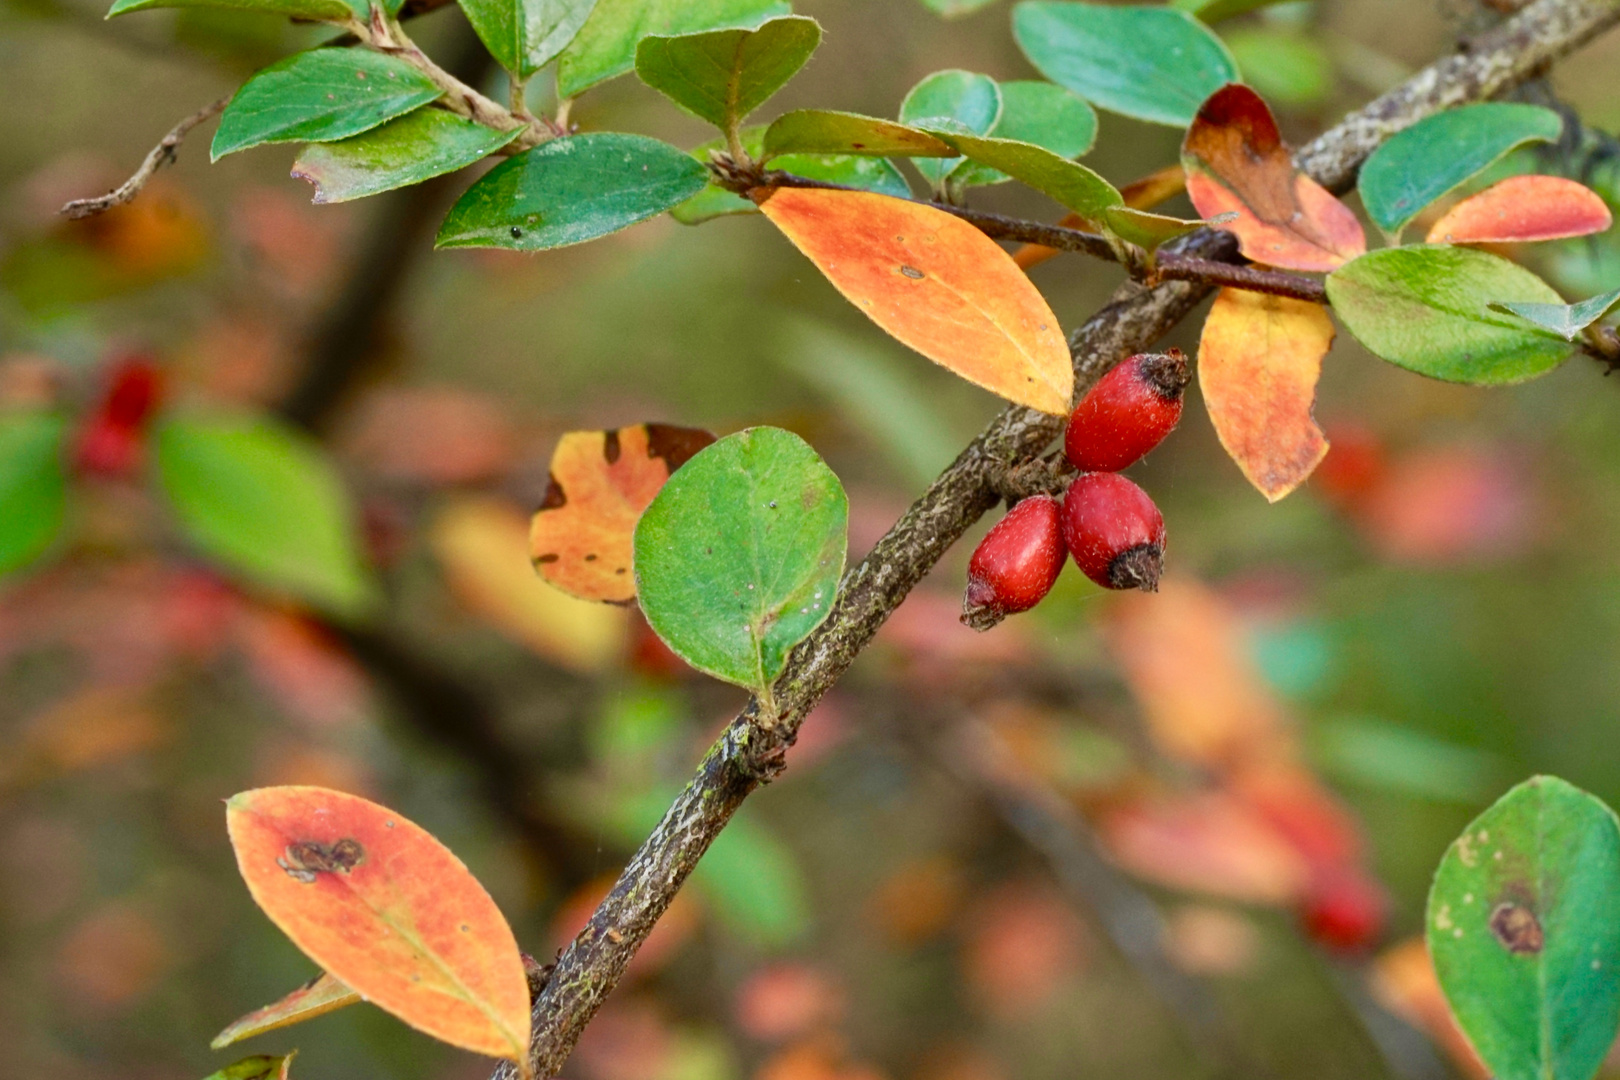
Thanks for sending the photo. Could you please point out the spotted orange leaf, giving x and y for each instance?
(1236, 162)
(319, 996)
(601, 481)
(935, 283)
(1524, 208)
(1258, 362)
(381, 905)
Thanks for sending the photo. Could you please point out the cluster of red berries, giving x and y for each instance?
(1107, 523)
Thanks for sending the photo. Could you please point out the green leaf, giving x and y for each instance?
(1426, 308)
(322, 10)
(955, 9)
(263, 499)
(957, 100)
(524, 35)
(1069, 182)
(571, 190)
(1038, 113)
(33, 489)
(1565, 320)
(723, 75)
(1284, 66)
(869, 174)
(738, 557)
(1151, 63)
(318, 96)
(413, 148)
(1215, 10)
(257, 1067)
(605, 47)
(1378, 754)
(1417, 166)
(1524, 928)
(824, 131)
(1145, 229)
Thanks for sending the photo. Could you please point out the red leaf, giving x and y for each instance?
(935, 283)
(1258, 362)
(1236, 162)
(1521, 209)
(384, 907)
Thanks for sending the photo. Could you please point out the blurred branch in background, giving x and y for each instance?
(745, 755)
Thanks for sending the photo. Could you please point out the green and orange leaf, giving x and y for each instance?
(601, 481)
(934, 283)
(1236, 162)
(319, 996)
(1522, 209)
(380, 904)
(1258, 362)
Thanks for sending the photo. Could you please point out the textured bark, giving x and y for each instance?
(744, 756)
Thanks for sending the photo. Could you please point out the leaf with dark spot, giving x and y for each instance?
(601, 481)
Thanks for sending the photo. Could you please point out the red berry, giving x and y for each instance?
(1127, 413)
(111, 443)
(1114, 532)
(1344, 911)
(1016, 563)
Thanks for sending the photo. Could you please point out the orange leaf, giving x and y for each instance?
(1524, 208)
(383, 906)
(1258, 362)
(935, 283)
(1236, 163)
(319, 996)
(601, 481)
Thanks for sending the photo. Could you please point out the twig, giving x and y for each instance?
(162, 154)
(1251, 278)
(744, 755)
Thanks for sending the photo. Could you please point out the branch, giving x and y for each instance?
(162, 154)
(745, 755)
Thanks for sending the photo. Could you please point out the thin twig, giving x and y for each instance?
(744, 755)
(162, 154)
(1251, 278)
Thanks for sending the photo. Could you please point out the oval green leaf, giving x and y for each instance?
(1151, 63)
(605, 46)
(418, 146)
(739, 555)
(1428, 309)
(866, 173)
(1069, 182)
(262, 499)
(1040, 113)
(319, 10)
(825, 131)
(318, 96)
(1416, 166)
(723, 75)
(1565, 320)
(1524, 928)
(524, 35)
(571, 190)
(954, 100)
(33, 488)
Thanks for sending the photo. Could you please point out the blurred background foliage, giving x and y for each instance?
(1431, 618)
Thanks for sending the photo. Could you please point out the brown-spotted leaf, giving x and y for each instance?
(1258, 362)
(601, 481)
(319, 996)
(381, 905)
(1236, 162)
(1521, 209)
(935, 283)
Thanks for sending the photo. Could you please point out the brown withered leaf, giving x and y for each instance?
(1258, 362)
(1236, 162)
(581, 537)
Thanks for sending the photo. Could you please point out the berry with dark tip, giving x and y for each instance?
(1114, 532)
(1128, 412)
(1016, 563)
